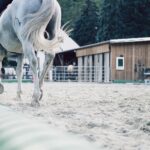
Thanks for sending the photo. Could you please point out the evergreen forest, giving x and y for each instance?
(100, 20)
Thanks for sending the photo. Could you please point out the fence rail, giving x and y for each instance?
(69, 73)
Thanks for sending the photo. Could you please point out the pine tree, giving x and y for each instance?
(124, 19)
(71, 10)
(136, 18)
(110, 24)
(86, 27)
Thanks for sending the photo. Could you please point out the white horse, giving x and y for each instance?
(24, 26)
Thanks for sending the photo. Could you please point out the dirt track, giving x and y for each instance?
(114, 116)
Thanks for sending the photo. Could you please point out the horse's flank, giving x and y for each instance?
(22, 22)
(41, 18)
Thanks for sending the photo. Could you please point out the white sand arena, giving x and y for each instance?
(114, 116)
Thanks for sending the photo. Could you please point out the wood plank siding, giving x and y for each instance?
(92, 50)
(134, 52)
(136, 56)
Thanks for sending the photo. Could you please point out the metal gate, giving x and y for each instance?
(79, 74)
(67, 73)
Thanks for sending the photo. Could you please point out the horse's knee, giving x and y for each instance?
(50, 57)
(33, 62)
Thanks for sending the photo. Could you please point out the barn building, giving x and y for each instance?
(120, 60)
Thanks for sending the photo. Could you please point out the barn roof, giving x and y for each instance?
(130, 40)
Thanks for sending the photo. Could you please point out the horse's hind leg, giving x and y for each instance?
(19, 75)
(48, 62)
(1, 86)
(30, 54)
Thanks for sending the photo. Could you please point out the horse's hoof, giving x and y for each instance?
(35, 104)
(18, 98)
(1, 88)
(21, 92)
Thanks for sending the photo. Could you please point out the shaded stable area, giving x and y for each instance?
(65, 58)
(62, 62)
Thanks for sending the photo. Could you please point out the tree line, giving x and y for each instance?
(100, 20)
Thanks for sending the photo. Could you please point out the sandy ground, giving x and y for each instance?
(114, 116)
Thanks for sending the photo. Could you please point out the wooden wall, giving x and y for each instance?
(92, 50)
(96, 57)
(135, 54)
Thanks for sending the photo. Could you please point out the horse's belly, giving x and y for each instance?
(11, 44)
(12, 47)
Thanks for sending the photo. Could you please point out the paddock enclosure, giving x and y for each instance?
(112, 116)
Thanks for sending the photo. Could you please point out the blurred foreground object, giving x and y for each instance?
(21, 133)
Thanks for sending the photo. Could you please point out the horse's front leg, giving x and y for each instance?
(47, 63)
(19, 75)
(2, 55)
(1, 86)
(30, 54)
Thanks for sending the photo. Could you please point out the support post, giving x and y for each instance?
(85, 68)
(80, 66)
(96, 65)
(90, 69)
(100, 68)
(106, 67)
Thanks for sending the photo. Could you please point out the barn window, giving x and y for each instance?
(120, 63)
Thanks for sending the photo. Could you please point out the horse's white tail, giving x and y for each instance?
(35, 26)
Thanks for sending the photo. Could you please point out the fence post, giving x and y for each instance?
(100, 68)
(106, 67)
(80, 65)
(90, 69)
(86, 68)
(96, 65)
(51, 74)
(64, 72)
